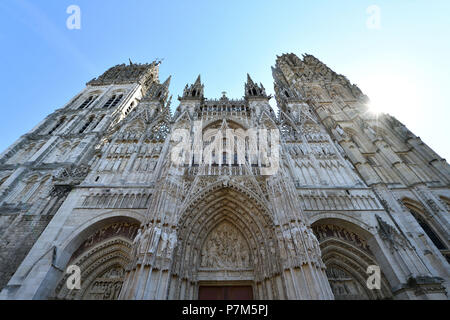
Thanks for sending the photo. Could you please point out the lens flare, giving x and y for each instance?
(393, 94)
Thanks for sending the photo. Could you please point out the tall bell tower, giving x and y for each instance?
(407, 178)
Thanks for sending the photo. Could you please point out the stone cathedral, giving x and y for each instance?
(94, 186)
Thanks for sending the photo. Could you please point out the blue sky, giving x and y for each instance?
(403, 66)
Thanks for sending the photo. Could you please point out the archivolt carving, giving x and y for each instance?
(231, 215)
(344, 285)
(107, 286)
(101, 271)
(122, 229)
(347, 256)
(329, 230)
(354, 264)
(204, 187)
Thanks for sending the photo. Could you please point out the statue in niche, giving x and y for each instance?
(162, 245)
(136, 243)
(283, 253)
(146, 237)
(154, 238)
(172, 241)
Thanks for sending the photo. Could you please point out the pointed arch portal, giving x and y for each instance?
(226, 247)
(102, 258)
(347, 254)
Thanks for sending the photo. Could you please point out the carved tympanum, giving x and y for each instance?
(106, 286)
(225, 248)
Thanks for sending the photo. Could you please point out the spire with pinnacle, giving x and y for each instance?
(253, 90)
(158, 91)
(194, 91)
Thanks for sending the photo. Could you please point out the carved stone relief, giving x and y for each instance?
(344, 286)
(225, 248)
(125, 229)
(333, 231)
(106, 286)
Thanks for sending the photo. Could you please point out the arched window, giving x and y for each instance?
(428, 230)
(109, 102)
(117, 100)
(113, 101)
(431, 230)
(26, 187)
(57, 125)
(86, 125)
(87, 102)
(38, 190)
(99, 120)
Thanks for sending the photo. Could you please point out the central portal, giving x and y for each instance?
(226, 247)
(225, 293)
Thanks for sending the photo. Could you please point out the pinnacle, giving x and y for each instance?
(167, 82)
(198, 81)
(249, 79)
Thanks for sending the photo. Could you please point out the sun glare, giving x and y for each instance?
(391, 94)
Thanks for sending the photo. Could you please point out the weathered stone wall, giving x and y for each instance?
(18, 233)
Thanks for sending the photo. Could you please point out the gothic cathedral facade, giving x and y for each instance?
(95, 186)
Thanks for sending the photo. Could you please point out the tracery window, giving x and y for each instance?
(428, 230)
(88, 102)
(27, 191)
(86, 125)
(431, 230)
(160, 132)
(113, 101)
(58, 124)
(99, 120)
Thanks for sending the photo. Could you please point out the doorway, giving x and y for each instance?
(225, 293)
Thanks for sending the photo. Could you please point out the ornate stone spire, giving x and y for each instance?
(194, 91)
(253, 90)
(158, 92)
